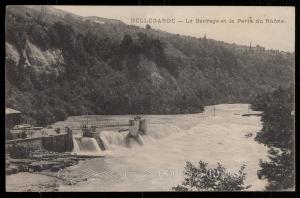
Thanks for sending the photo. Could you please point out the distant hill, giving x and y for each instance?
(101, 20)
(59, 64)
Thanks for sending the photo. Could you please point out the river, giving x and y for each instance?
(158, 164)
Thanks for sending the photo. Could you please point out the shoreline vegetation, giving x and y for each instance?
(278, 133)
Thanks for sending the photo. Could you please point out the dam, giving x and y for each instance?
(94, 142)
(23, 139)
(27, 145)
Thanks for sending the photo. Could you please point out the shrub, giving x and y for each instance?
(216, 179)
(279, 170)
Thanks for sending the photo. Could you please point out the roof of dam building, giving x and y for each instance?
(11, 111)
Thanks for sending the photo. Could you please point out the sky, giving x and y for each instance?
(270, 35)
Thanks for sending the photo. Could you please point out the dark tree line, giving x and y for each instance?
(278, 133)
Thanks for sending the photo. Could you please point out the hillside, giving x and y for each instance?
(59, 65)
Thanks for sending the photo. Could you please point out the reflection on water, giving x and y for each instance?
(171, 141)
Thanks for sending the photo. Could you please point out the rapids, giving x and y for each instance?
(158, 164)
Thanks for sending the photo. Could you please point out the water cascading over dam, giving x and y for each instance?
(124, 139)
(86, 145)
(76, 148)
(105, 140)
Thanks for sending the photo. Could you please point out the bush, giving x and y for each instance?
(216, 179)
(279, 170)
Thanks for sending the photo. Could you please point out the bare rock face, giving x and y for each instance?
(12, 53)
(49, 61)
(150, 70)
(44, 61)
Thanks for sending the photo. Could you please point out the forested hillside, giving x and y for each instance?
(60, 64)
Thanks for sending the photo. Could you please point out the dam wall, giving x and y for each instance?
(57, 143)
(65, 142)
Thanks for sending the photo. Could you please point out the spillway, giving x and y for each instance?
(86, 145)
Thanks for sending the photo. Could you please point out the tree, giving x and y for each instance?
(62, 35)
(279, 170)
(126, 44)
(278, 122)
(277, 133)
(216, 179)
(148, 27)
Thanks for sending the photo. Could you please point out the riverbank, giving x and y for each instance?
(42, 160)
(31, 182)
(43, 171)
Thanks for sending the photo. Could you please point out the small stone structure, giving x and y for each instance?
(138, 126)
(143, 126)
(133, 127)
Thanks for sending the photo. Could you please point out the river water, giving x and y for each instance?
(158, 164)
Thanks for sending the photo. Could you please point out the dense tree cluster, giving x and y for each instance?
(278, 133)
(278, 119)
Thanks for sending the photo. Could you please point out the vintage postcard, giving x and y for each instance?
(149, 98)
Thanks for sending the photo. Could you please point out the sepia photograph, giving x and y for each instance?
(149, 98)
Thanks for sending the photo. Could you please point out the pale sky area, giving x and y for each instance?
(270, 35)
